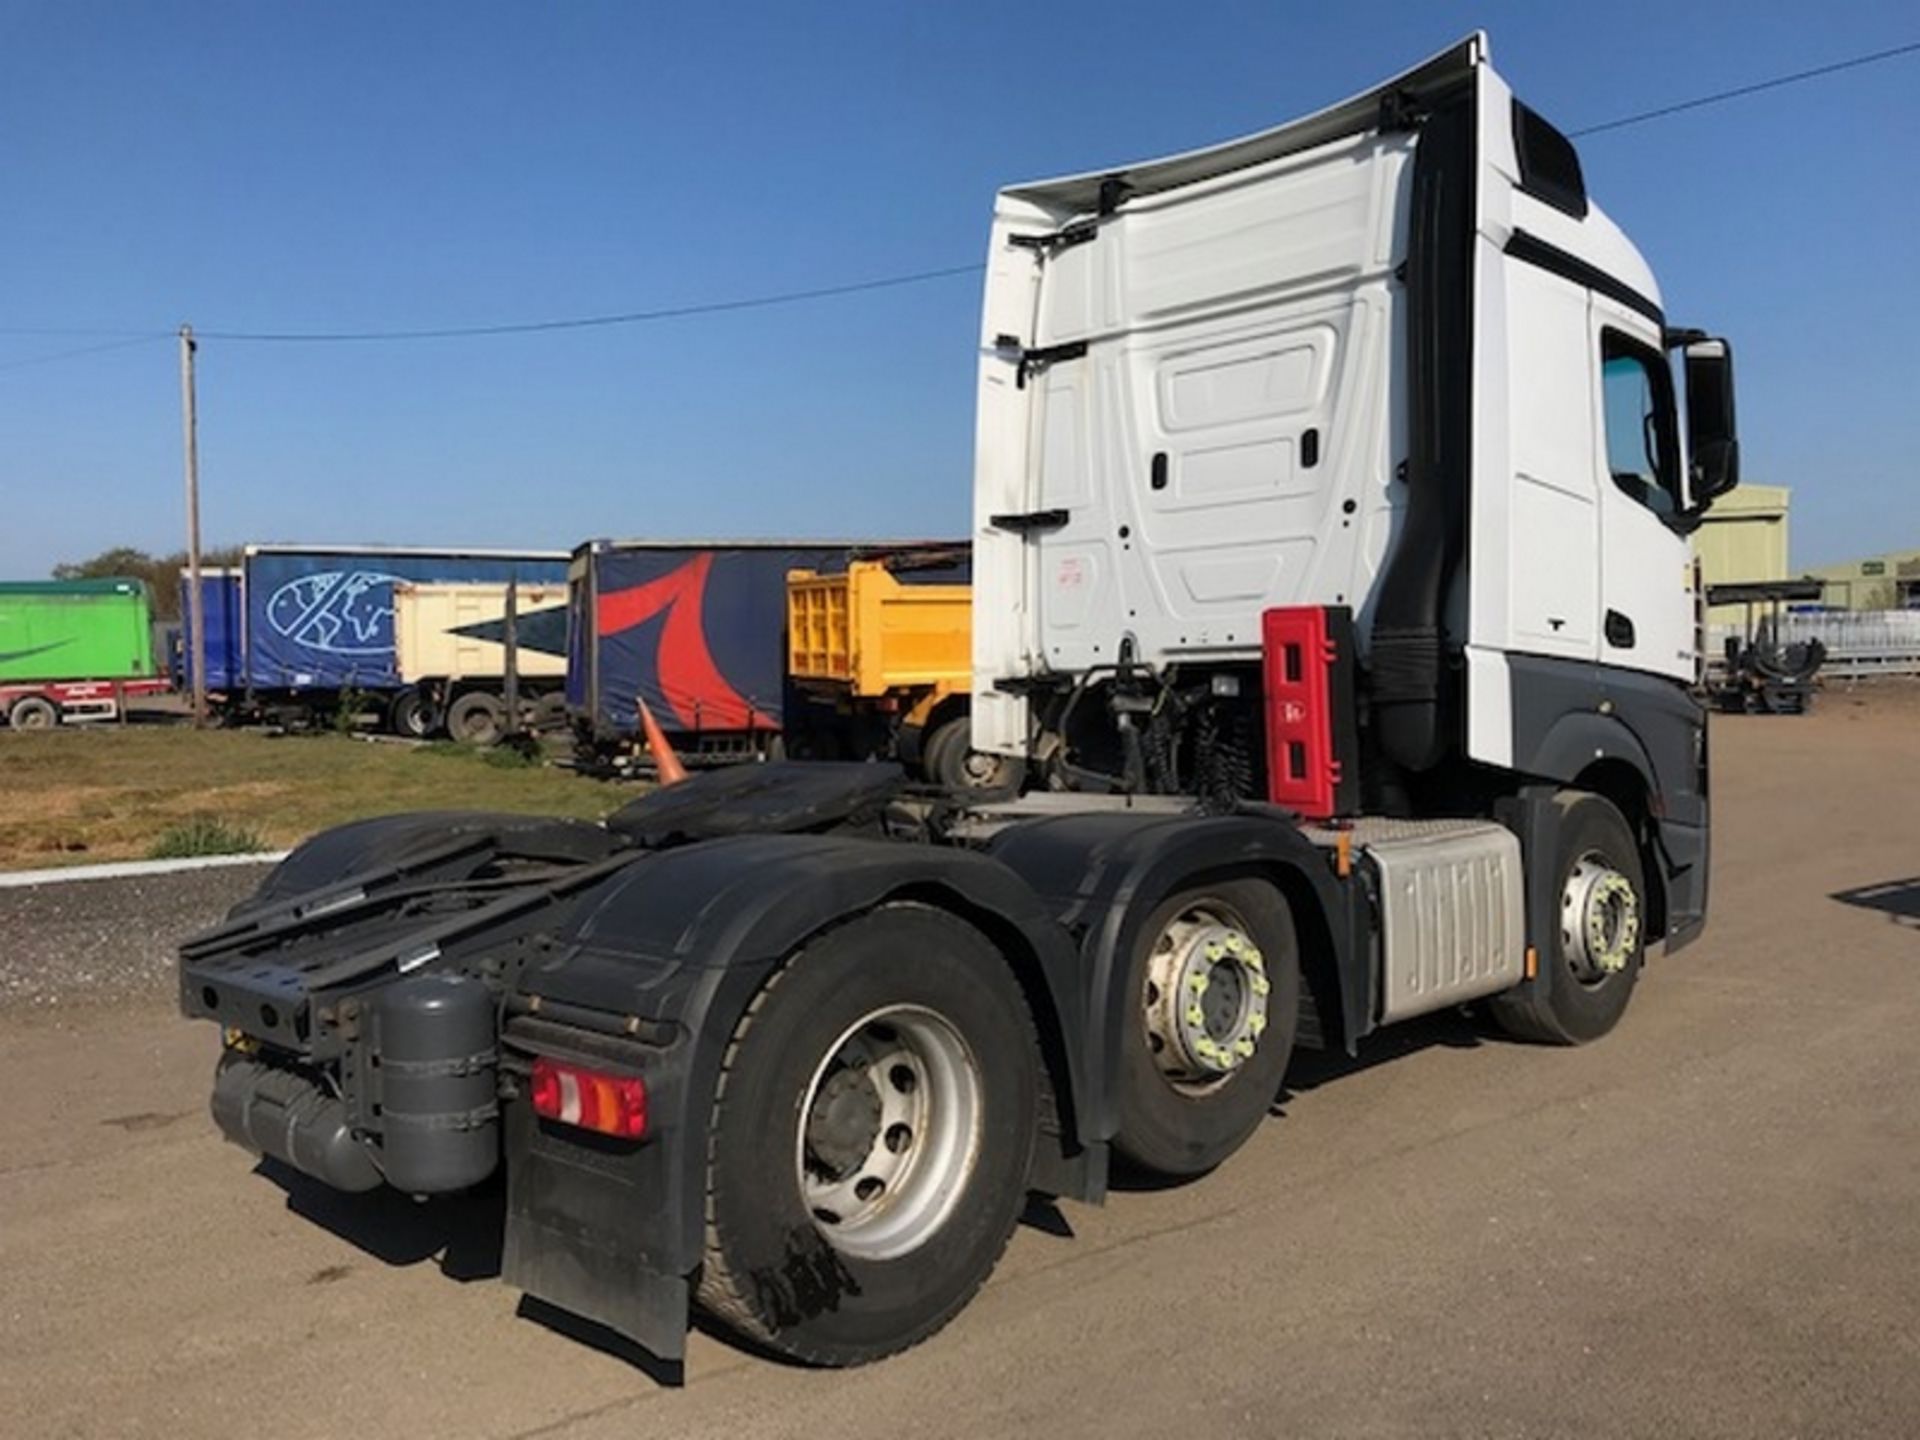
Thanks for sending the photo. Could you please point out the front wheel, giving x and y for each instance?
(1588, 971)
(870, 1139)
(950, 761)
(1213, 998)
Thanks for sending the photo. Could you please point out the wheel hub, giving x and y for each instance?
(1206, 1000)
(1599, 919)
(889, 1132)
(844, 1121)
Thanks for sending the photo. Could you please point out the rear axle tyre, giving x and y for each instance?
(33, 712)
(950, 761)
(813, 744)
(549, 714)
(1213, 1000)
(1599, 944)
(411, 715)
(870, 1140)
(477, 718)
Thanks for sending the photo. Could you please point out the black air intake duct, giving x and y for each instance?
(1407, 663)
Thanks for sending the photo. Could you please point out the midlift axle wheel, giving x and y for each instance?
(1206, 1001)
(1214, 994)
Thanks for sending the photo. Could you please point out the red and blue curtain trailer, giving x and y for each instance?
(697, 629)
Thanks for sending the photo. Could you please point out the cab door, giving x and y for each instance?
(1646, 601)
(1553, 546)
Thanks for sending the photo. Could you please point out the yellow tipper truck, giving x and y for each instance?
(888, 665)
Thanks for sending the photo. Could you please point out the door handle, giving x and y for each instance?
(1031, 521)
(1619, 631)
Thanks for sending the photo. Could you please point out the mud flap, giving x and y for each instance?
(588, 1277)
(596, 1226)
(1533, 816)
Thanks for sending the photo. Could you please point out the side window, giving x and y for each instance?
(1642, 454)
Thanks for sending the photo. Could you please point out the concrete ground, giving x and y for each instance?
(1706, 1225)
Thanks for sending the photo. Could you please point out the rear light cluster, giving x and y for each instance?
(574, 1095)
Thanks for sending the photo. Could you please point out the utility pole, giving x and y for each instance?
(196, 607)
(512, 639)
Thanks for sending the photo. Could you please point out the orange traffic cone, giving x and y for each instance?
(666, 764)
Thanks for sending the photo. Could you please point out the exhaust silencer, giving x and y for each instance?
(284, 1115)
(425, 1116)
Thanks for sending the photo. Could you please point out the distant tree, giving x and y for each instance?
(121, 560)
(161, 572)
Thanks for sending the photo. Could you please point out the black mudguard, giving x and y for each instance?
(1585, 714)
(663, 958)
(1103, 874)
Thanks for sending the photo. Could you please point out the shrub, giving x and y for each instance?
(204, 835)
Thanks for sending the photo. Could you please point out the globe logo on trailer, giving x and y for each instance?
(336, 612)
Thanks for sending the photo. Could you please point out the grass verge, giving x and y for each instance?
(79, 796)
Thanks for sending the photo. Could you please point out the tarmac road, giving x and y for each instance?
(1707, 1225)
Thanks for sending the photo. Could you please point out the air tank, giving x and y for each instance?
(436, 1053)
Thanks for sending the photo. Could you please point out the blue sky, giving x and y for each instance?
(248, 166)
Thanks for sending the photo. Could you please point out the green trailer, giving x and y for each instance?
(74, 650)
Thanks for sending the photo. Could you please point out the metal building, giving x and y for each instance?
(1743, 539)
(1881, 582)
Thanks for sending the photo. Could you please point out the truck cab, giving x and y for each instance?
(1390, 358)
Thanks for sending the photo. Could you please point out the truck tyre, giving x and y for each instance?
(477, 718)
(1587, 970)
(951, 761)
(811, 743)
(1212, 1001)
(33, 712)
(870, 1139)
(411, 715)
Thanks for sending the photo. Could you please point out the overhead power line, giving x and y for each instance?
(146, 339)
(822, 292)
(1754, 89)
(74, 330)
(920, 277)
(635, 317)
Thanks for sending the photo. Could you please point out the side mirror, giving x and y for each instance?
(1712, 441)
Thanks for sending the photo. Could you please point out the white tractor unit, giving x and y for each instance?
(1333, 597)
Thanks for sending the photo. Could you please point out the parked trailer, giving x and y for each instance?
(318, 625)
(697, 629)
(223, 607)
(450, 649)
(1332, 502)
(74, 650)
